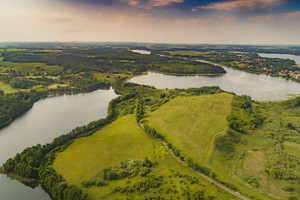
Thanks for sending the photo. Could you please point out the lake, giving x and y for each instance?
(259, 87)
(46, 120)
(141, 51)
(283, 56)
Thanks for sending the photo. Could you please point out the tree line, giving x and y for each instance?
(111, 60)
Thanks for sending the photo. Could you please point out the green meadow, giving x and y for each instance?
(192, 123)
(30, 68)
(123, 140)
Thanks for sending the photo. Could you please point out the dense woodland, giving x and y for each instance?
(111, 60)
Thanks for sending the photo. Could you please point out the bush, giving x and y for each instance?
(288, 189)
(293, 198)
(128, 168)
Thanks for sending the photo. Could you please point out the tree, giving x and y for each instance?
(74, 193)
(60, 190)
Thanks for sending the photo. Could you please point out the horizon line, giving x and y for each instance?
(153, 43)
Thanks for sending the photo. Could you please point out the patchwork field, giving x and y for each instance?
(30, 68)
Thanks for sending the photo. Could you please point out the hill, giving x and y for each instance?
(123, 140)
(193, 123)
(239, 141)
(138, 151)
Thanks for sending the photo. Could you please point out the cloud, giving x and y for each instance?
(233, 5)
(292, 15)
(288, 16)
(148, 4)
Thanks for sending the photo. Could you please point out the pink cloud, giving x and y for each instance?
(232, 5)
(148, 4)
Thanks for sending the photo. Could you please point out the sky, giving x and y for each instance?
(154, 21)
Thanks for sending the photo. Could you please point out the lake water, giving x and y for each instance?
(141, 51)
(283, 56)
(274, 55)
(259, 87)
(47, 119)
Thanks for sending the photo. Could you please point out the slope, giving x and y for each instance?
(86, 159)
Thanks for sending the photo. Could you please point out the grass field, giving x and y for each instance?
(123, 140)
(55, 86)
(108, 77)
(292, 148)
(28, 67)
(192, 123)
(187, 53)
(7, 89)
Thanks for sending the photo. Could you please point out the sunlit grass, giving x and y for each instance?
(119, 141)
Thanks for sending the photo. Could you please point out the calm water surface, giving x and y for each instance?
(47, 119)
(141, 52)
(259, 87)
(283, 56)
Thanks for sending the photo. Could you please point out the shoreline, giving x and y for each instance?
(26, 181)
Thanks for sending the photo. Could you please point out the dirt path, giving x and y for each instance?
(237, 194)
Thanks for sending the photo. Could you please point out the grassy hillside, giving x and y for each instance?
(85, 159)
(192, 123)
(225, 134)
(250, 147)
